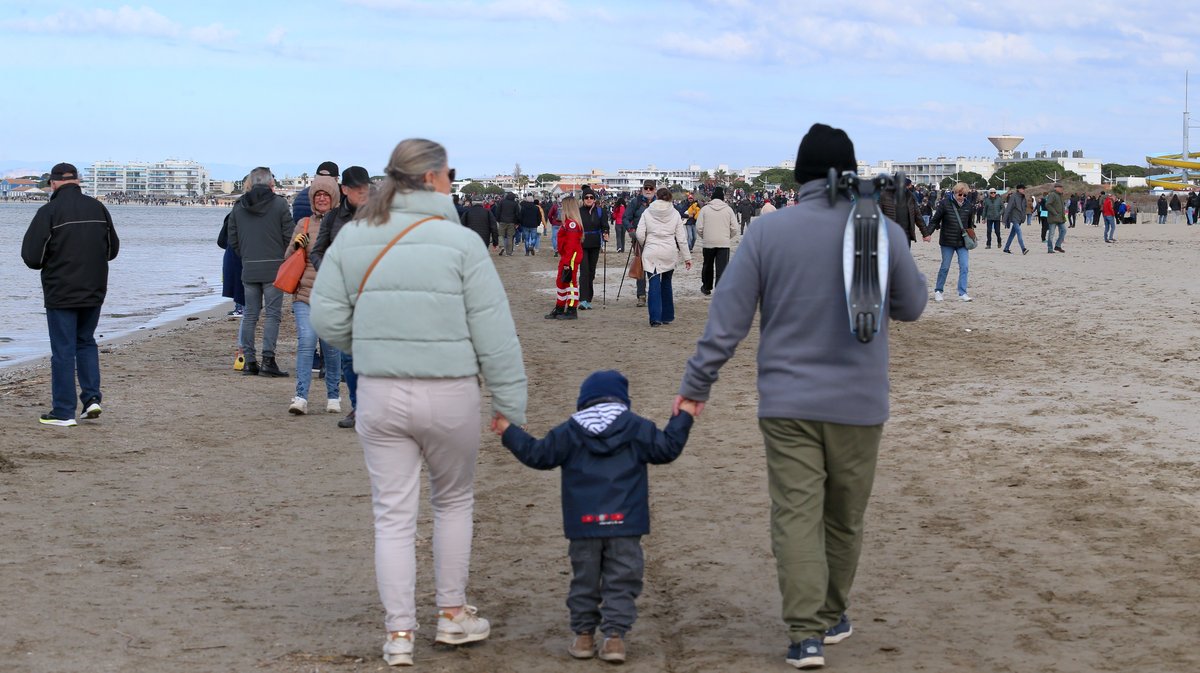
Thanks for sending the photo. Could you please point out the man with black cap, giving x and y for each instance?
(633, 214)
(301, 208)
(823, 395)
(71, 240)
(356, 190)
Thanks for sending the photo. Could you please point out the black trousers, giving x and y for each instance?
(715, 260)
(587, 273)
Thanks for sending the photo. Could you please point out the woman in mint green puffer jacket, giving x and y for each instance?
(431, 317)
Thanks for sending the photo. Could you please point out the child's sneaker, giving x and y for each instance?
(613, 650)
(583, 647)
(398, 649)
(808, 653)
(465, 627)
(839, 632)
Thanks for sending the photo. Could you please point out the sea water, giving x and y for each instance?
(169, 266)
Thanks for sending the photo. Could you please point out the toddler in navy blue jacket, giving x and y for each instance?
(603, 452)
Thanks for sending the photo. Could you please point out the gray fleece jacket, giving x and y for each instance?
(810, 366)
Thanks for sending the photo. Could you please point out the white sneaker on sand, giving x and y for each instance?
(466, 627)
(964, 297)
(299, 406)
(398, 649)
(333, 406)
(937, 296)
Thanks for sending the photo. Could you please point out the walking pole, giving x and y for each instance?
(604, 278)
(628, 256)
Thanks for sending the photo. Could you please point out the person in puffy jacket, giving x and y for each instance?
(324, 197)
(953, 218)
(716, 227)
(662, 238)
(411, 293)
(603, 451)
(480, 220)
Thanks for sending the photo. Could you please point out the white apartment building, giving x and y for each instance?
(926, 170)
(168, 178)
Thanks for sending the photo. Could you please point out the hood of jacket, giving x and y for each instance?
(718, 204)
(605, 439)
(662, 212)
(258, 199)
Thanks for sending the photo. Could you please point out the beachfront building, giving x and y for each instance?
(170, 178)
(931, 171)
(12, 186)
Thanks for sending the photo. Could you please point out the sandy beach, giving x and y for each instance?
(1035, 507)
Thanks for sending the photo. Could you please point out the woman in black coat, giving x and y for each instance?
(953, 218)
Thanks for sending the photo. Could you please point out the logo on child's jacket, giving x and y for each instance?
(604, 519)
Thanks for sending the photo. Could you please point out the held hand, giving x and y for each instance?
(684, 404)
(499, 423)
(605, 237)
(925, 238)
(687, 265)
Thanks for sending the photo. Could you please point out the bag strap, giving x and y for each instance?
(387, 247)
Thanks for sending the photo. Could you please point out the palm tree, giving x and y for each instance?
(721, 177)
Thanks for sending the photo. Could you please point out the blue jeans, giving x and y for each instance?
(258, 296)
(1062, 235)
(659, 298)
(1015, 231)
(1191, 215)
(1110, 227)
(350, 378)
(554, 236)
(1087, 217)
(73, 350)
(947, 255)
(306, 343)
(691, 235)
(530, 238)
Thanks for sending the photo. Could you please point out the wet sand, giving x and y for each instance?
(1035, 506)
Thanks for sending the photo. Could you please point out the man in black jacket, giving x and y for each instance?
(481, 221)
(633, 213)
(71, 240)
(595, 232)
(260, 228)
(508, 211)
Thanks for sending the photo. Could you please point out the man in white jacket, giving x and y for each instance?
(716, 227)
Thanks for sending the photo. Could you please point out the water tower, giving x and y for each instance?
(1006, 144)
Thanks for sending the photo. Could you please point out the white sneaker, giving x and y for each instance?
(937, 296)
(964, 297)
(333, 406)
(398, 649)
(299, 406)
(466, 627)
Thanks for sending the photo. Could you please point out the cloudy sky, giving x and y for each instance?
(565, 86)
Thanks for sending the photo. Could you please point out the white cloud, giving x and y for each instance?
(276, 36)
(558, 11)
(125, 21)
(722, 47)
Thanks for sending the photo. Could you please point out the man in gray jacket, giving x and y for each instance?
(823, 396)
(716, 226)
(1014, 217)
(260, 228)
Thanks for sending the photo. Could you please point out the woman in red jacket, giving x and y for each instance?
(570, 252)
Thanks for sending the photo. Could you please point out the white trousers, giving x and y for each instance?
(400, 422)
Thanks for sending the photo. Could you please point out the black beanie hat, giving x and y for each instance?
(822, 148)
(603, 386)
(719, 193)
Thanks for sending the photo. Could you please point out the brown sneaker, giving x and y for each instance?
(613, 650)
(583, 647)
